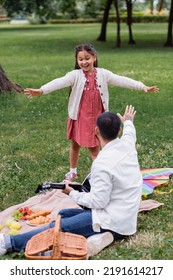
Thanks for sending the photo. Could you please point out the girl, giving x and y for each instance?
(88, 99)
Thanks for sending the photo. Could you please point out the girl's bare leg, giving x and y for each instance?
(74, 154)
(94, 152)
(74, 157)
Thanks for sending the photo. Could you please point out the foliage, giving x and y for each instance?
(69, 7)
(33, 146)
(44, 9)
(90, 8)
(48, 9)
(112, 18)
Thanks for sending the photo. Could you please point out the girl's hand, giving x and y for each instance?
(32, 92)
(151, 89)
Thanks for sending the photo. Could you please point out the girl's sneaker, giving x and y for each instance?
(3, 249)
(70, 176)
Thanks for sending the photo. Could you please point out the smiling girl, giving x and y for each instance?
(89, 97)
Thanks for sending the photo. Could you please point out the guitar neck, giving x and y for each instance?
(59, 186)
(62, 186)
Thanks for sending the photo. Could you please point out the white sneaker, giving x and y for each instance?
(3, 250)
(98, 242)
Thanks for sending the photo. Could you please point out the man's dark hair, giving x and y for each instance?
(109, 125)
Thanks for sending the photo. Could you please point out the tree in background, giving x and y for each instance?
(102, 36)
(118, 43)
(129, 5)
(160, 5)
(44, 9)
(69, 8)
(152, 7)
(157, 5)
(12, 6)
(90, 8)
(6, 85)
(169, 42)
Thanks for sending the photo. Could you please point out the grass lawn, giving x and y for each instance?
(33, 131)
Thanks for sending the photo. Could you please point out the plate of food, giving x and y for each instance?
(39, 221)
(38, 218)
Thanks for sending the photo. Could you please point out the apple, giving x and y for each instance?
(8, 223)
(15, 225)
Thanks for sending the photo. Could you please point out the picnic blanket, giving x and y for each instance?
(55, 200)
(153, 178)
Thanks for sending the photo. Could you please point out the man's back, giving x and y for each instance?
(116, 173)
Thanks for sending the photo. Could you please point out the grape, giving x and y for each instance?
(17, 215)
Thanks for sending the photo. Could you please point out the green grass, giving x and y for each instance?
(33, 132)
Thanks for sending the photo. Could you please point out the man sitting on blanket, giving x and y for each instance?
(116, 187)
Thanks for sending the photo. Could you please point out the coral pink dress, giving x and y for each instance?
(82, 130)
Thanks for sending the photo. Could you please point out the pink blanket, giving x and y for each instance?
(54, 200)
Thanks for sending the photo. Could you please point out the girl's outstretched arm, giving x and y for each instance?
(151, 89)
(32, 92)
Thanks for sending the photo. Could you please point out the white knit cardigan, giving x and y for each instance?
(76, 80)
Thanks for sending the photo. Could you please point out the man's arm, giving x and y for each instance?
(101, 187)
(127, 119)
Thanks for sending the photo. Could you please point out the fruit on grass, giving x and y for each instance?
(15, 225)
(8, 223)
(1, 227)
(13, 231)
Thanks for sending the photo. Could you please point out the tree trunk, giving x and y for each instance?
(151, 7)
(102, 36)
(169, 42)
(118, 43)
(160, 6)
(6, 85)
(129, 21)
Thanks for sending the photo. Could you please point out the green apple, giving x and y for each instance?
(14, 225)
(8, 223)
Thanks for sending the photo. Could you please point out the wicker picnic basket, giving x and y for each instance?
(63, 245)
